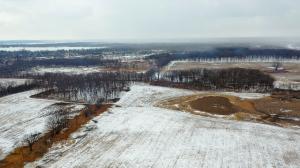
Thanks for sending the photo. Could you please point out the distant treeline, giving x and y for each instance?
(105, 86)
(16, 89)
(111, 83)
(13, 68)
(62, 53)
(223, 53)
(232, 79)
(90, 88)
(56, 53)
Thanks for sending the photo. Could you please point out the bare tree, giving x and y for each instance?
(276, 66)
(99, 102)
(30, 139)
(58, 121)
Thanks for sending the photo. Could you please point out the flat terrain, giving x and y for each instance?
(214, 104)
(21, 115)
(5, 82)
(135, 133)
(290, 73)
(259, 108)
(129, 66)
(46, 48)
(67, 70)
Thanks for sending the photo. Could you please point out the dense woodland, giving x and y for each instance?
(235, 79)
(6, 90)
(88, 88)
(97, 87)
(63, 53)
(14, 68)
(106, 86)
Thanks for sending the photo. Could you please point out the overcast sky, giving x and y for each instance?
(147, 19)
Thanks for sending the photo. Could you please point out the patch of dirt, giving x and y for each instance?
(291, 158)
(214, 105)
(266, 110)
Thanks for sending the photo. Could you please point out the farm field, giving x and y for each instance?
(290, 73)
(135, 133)
(255, 107)
(46, 48)
(67, 70)
(127, 66)
(5, 82)
(149, 84)
(21, 115)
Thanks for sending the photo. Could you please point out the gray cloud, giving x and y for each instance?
(151, 19)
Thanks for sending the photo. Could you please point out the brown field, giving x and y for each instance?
(266, 110)
(131, 66)
(214, 104)
(22, 155)
(291, 71)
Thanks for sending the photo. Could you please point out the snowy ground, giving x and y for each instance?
(67, 70)
(289, 85)
(47, 48)
(21, 115)
(5, 82)
(291, 67)
(137, 134)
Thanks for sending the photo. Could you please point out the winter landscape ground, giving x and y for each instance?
(290, 73)
(149, 84)
(150, 106)
(5, 82)
(21, 115)
(135, 133)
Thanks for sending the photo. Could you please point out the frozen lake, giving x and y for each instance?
(47, 48)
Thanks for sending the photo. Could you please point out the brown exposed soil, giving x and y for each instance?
(131, 66)
(23, 155)
(214, 104)
(285, 94)
(266, 110)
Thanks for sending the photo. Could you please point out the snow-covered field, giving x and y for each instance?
(246, 95)
(47, 48)
(137, 134)
(67, 70)
(289, 78)
(5, 82)
(21, 115)
(289, 85)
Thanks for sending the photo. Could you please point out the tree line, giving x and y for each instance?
(227, 54)
(13, 68)
(235, 79)
(7, 90)
(88, 88)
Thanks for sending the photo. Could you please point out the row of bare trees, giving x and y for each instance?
(56, 122)
(236, 79)
(17, 67)
(11, 88)
(88, 88)
(228, 54)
